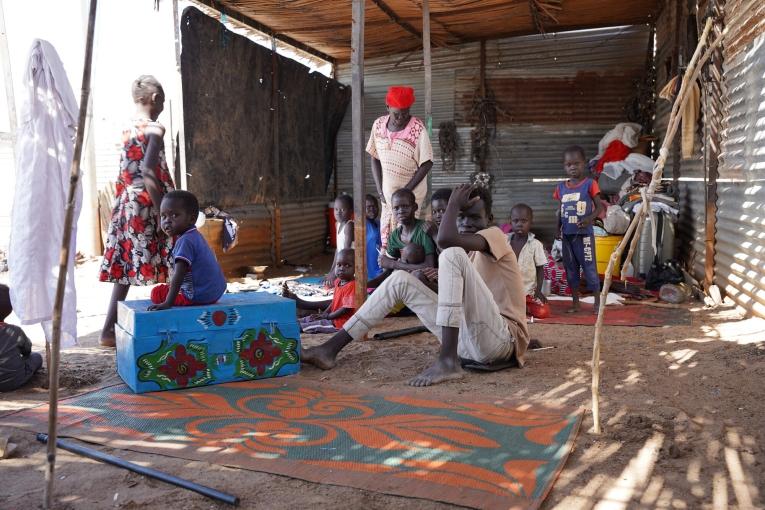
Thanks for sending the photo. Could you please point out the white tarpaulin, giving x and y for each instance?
(44, 156)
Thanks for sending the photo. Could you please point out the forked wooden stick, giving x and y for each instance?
(74, 178)
(634, 242)
(692, 74)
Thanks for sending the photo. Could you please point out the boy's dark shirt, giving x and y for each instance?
(15, 346)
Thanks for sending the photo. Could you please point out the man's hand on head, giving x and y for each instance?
(461, 196)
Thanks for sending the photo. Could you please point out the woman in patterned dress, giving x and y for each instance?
(137, 251)
(401, 154)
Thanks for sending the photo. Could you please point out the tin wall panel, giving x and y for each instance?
(525, 154)
(303, 230)
(740, 258)
(691, 223)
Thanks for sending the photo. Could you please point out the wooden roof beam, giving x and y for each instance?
(260, 27)
(394, 17)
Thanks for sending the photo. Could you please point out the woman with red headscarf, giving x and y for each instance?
(401, 154)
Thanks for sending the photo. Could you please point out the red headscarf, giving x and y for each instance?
(400, 97)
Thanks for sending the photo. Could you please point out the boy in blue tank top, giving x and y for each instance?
(579, 206)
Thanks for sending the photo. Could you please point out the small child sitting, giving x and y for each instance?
(412, 253)
(531, 260)
(17, 361)
(337, 311)
(196, 279)
(409, 230)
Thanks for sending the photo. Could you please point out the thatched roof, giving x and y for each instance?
(395, 26)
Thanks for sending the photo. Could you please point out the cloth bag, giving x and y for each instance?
(617, 221)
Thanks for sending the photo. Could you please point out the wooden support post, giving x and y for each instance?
(278, 234)
(5, 58)
(357, 142)
(427, 63)
(712, 89)
(181, 171)
(426, 57)
(74, 178)
(694, 68)
(275, 101)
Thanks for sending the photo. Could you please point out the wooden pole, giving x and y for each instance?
(181, 171)
(5, 58)
(694, 68)
(357, 141)
(428, 65)
(275, 155)
(74, 178)
(633, 244)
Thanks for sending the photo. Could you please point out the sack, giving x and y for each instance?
(661, 273)
(617, 221)
(557, 250)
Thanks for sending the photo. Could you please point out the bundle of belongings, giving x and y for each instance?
(230, 226)
(621, 153)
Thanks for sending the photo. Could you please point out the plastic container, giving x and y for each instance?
(604, 247)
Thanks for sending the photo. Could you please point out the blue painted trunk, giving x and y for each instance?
(243, 336)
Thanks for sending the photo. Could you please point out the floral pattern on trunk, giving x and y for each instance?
(174, 365)
(260, 354)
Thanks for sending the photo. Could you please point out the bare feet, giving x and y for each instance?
(439, 371)
(318, 357)
(596, 306)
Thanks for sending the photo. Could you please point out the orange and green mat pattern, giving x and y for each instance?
(480, 455)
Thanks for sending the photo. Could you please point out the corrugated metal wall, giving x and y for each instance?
(691, 190)
(740, 257)
(557, 90)
(740, 236)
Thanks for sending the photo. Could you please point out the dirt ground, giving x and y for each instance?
(682, 408)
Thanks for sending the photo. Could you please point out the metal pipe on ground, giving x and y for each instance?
(387, 335)
(142, 470)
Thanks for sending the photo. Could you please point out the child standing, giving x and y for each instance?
(531, 260)
(374, 242)
(579, 206)
(197, 277)
(344, 228)
(337, 311)
(136, 251)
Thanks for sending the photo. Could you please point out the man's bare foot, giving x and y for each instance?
(318, 357)
(439, 371)
(574, 308)
(596, 306)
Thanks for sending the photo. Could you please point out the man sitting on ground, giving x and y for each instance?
(479, 312)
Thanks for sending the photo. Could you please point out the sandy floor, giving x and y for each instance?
(683, 412)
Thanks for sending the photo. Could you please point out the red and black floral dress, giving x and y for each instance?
(137, 251)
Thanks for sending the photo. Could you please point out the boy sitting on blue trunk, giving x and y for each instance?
(197, 278)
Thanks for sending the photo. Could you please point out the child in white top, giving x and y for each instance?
(531, 259)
